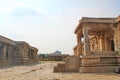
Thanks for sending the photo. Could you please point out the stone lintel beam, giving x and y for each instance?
(96, 33)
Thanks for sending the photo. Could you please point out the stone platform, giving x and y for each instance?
(100, 62)
(97, 62)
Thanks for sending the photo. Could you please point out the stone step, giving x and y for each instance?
(61, 64)
(59, 69)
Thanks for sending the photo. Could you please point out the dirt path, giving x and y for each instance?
(44, 71)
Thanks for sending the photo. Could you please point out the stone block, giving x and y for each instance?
(59, 69)
(61, 64)
(71, 64)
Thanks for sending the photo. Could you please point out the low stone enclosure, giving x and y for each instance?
(16, 52)
(97, 49)
(52, 57)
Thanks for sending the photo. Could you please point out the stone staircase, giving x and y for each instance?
(61, 67)
(70, 64)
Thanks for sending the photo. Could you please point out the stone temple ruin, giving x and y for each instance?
(97, 49)
(54, 56)
(16, 52)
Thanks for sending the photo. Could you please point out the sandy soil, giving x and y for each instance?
(44, 71)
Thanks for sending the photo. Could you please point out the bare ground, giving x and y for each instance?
(44, 71)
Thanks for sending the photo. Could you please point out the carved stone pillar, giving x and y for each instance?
(79, 45)
(116, 40)
(118, 35)
(4, 52)
(9, 53)
(86, 41)
(102, 43)
(1, 51)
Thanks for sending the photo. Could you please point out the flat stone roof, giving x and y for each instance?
(12, 42)
(97, 20)
(21, 42)
(100, 20)
(6, 40)
(24, 43)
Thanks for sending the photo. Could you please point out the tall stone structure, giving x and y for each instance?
(16, 52)
(98, 45)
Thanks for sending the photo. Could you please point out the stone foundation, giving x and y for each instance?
(102, 69)
(99, 62)
(4, 63)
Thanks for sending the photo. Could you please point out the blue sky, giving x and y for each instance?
(49, 24)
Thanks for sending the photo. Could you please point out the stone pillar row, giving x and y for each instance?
(6, 52)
